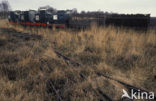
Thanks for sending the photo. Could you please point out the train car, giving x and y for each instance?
(43, 18)
(27, 17)
(85, 20)
(14, 17)
(61, 19)
(132, 21)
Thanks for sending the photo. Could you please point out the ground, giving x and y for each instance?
(40, 64)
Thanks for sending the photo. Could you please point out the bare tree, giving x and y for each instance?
(48, 8)
(4, 8)
(74, 10)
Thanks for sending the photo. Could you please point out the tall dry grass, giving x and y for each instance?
(28, 67)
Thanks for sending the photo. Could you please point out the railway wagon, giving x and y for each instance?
(27, 17)
(43, 18)
(62, 19)
(133, 21)
(14, 17)
(85, 20)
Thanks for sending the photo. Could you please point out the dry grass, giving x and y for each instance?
(29, 66)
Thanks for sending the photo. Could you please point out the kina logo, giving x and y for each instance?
(138, 94)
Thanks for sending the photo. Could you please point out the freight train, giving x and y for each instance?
(69, 19)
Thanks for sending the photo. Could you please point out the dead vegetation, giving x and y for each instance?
(39, 64)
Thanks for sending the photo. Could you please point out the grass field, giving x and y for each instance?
(40, 64)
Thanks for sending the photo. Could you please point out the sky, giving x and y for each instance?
(115, 6)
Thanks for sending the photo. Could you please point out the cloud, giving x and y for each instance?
(120, 6)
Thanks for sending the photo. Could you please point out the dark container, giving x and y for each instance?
(62, 17)
(28, 16)
(133, 21)
(43, 16)
(14, 16)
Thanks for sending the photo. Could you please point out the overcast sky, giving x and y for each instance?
(117, 6)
